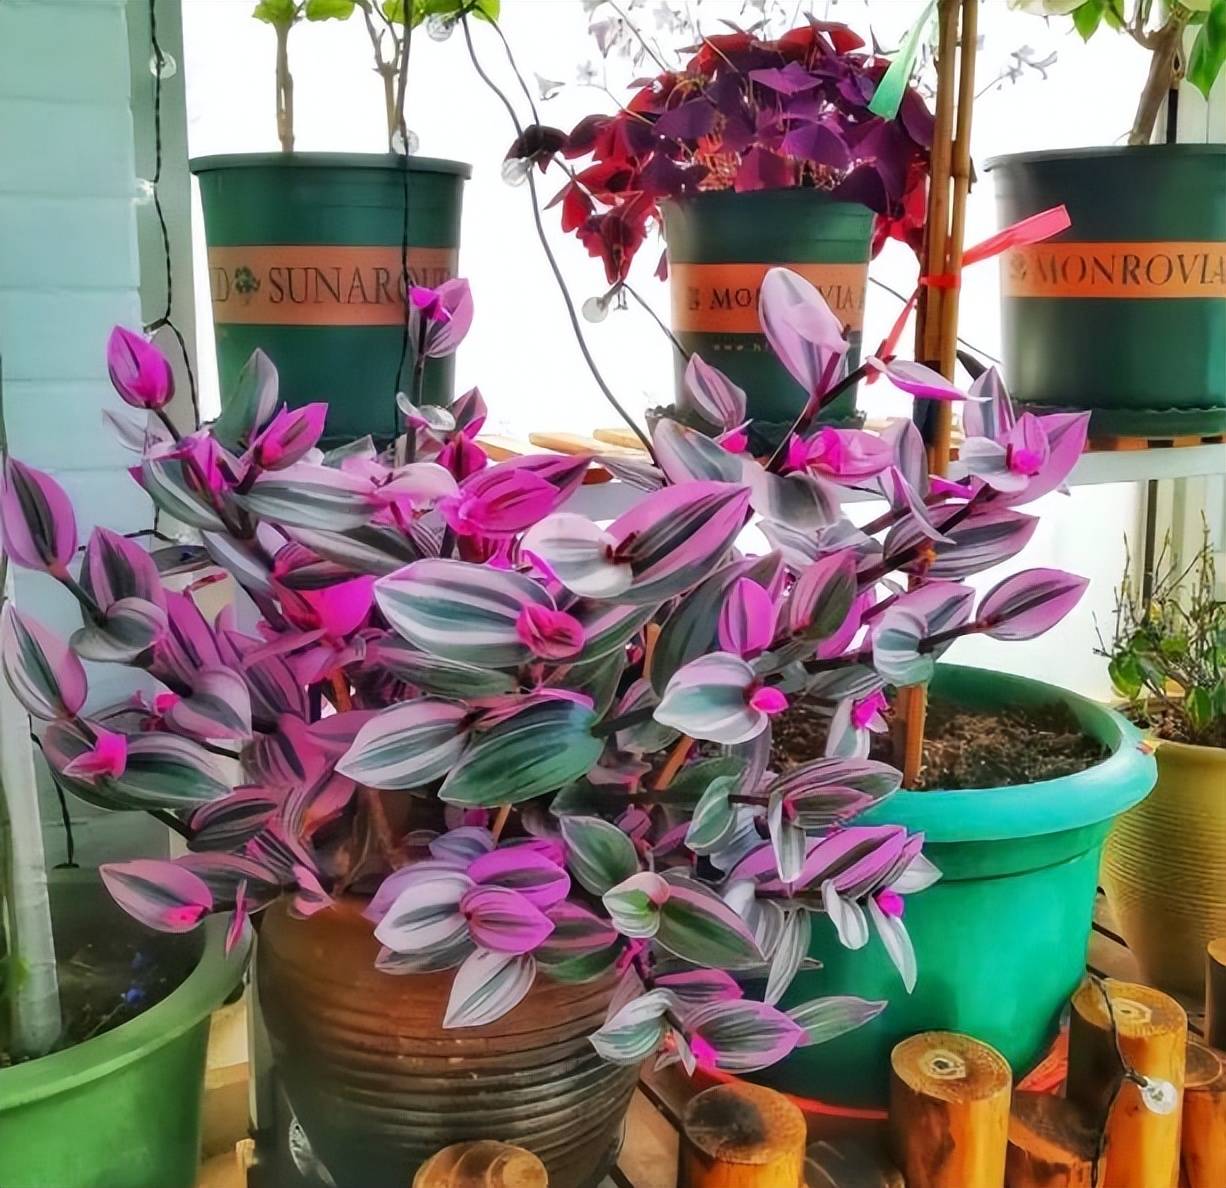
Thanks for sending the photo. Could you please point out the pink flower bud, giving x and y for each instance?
(139, 371)
(768, 700)
(288, 436)
(551, 634)
(890, 903)
(107, 757)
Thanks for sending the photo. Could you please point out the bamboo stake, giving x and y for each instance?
(1151, 1030)
(1203, 1154)
(949, 1111)
(936, 325)
(742, 1136)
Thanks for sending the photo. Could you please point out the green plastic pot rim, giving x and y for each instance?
(747, 196)
(196, 997)
(389, 161)
(1105, 152)
(1084, 799)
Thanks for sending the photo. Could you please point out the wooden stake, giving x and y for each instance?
(936, 323)
(483, 1164)
(1151, 1029)
(1215, 994)
(742, 1136)
(1053, 1143)
(1203, 1153)
(949, 1111)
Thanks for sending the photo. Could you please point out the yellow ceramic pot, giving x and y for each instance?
(1164, 867)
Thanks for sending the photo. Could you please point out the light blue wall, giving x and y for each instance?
(69, 271)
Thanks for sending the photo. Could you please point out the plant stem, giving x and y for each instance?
(632, 717)
(1165, 44)
(812, 407)
(34, 1000)
(285, 89)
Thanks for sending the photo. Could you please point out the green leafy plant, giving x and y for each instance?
(1159, 28)
(390, 25)
(1168, 653)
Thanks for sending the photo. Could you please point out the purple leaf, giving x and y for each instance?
(699, 927)
(448, 311)
(36, 520)
(288, 437)
(698, 987)
(742, 1036)
(487, 986)
(1029, 603)
(140, 372)
(161, 895)
(792, 79)
(497, 502)
(844, 455)
(746, 620)
(691, 120)
(426, 909)
(229, 822)
(710, 698)
(823, 596)
(47, 678)
(805, 336)
(408, 745)
(711, 394)
(762, 169)
(685, 455)
(115, 568)
(525, 871)
(819, 144)
(581, 554)
(917, 380)
(460, 611)
(986, 537)
(504, 920)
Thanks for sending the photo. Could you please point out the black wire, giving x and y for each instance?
(70, 842)
(658, 321)
(398, 387)
(159, 59)
(549, 256)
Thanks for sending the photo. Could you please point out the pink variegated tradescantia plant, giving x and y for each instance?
(539, 744)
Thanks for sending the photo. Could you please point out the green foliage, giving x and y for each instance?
(1088, 17)
(329, 10)
(1168, 657)
(1209, 49)
(395, 10)
(277, 12)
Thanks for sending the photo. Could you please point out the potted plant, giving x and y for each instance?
(1165, 858)
(103, 1027)
(310, 254)
(1128, 301)
(753, 153)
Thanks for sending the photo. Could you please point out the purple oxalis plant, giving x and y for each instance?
(539, 745)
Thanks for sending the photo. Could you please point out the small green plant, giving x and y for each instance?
(390, 25)
(1168, 653)
(1159, 28)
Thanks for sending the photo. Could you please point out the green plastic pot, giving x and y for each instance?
(720, 246)
(1124, 313)
(304, 258)
(121, 1110)
(1001, 940)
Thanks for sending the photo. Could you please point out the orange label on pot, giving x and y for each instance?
(1115, 270)
(723, 298)
(320, 285)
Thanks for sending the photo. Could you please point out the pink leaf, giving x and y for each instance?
(160, 894)
(36, 520)
(504, 920)
(288, 437)
(746, 620)
(918, 380)
(140, 372)
(495, 502)
(107, 757)
(712, 394)
(47, 678)
(1029, 603)
(805, 336)
(525, 870)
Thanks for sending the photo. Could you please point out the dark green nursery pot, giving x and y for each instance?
(1001, 939)
(304, 255)
(1124, 313)
(121, 1110)
(720, 246)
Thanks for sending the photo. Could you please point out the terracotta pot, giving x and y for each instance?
(377, 1086)
(1164, 869)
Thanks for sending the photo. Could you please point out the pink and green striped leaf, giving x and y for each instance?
(408, 745)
